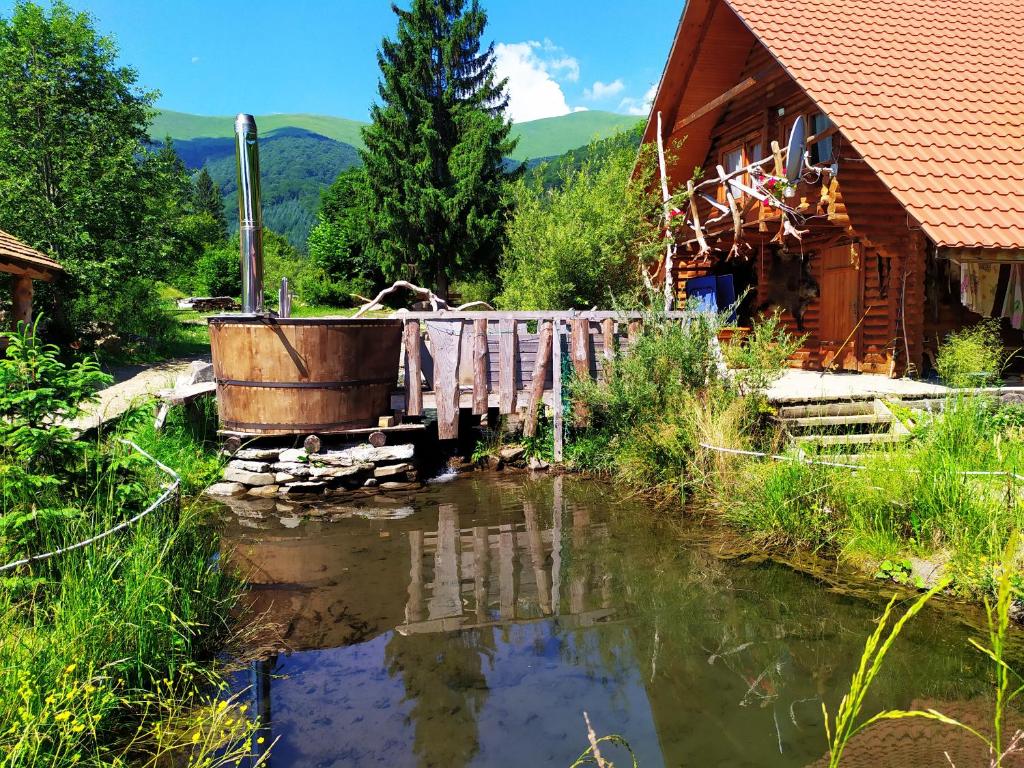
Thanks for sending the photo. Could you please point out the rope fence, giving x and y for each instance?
(854, 467)
(161, 500)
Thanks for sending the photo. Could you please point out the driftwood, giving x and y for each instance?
(436, 302)
(667, 206)
(540, 372)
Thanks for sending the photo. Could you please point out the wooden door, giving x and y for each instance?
(841, 283)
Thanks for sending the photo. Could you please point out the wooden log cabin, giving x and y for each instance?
(24, 265)
(914, 218)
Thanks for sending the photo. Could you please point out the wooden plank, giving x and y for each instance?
(737, 90)
(581, 364)
(480, 367)
(12, 267)
(540, 373)
(508, 351)
(445, 341)
(608, 338)
(556, 387)
(413, 368)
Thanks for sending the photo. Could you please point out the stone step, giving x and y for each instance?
(862, 439)
(860, 419)
(857, 408)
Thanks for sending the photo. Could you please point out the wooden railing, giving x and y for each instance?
(482, 360)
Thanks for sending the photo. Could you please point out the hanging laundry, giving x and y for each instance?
(1013, 306)
(968, 286)
(986, 282)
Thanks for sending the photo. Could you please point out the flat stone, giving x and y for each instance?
(366, 454)
(391, 470)
(370, 482)
(292, 468)
(264, 491)
(292, 455)
(537, 464)
(283, 506)
(512, 453)
(295, 489)
(225, 489)
(399, 486)
(234, 475)
(257, 454)
(250, 507)
(291, 522)
(930, 572)
(283, 477)
(333, 473)
(250, 466)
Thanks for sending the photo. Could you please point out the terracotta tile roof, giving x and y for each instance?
(930, 92)
(13, 251)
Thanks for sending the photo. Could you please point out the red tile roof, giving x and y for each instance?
(930, 92)
(15, 252)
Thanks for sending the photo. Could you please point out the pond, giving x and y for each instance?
(474, 622)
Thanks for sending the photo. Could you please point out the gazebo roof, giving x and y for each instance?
(17, 258)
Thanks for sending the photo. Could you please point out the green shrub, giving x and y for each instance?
(218, 272)
(972, 357)
(758, 359)
(475, 289)
(581, 243)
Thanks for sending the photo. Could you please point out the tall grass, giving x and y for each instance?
(106, 652)
(918, 499)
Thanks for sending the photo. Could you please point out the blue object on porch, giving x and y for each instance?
(704, 290)
(725, 295)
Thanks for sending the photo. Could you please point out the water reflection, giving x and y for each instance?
(476, 631)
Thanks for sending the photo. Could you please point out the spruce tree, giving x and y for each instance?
(436, 146)
(206, 199)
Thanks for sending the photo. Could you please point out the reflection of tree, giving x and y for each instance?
(443, 678)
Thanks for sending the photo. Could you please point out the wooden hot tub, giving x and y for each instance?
(279, 376)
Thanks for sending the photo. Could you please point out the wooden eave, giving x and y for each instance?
(16, 258)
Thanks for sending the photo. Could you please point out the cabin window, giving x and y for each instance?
(731, 160)
(821, 151)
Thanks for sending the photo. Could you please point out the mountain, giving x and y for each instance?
(302, 154)
(295, 165)
(537, 138)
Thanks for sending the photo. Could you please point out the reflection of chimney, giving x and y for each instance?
(250, 215)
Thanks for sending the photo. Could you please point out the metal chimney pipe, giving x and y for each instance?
(250, 213)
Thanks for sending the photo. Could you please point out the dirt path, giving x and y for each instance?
(132, 384)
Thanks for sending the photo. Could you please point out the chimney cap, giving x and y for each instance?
(244, 122)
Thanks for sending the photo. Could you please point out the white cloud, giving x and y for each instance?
(600, 91)
(195, 59)
(641, 106)
(533, 70)
(580, 109)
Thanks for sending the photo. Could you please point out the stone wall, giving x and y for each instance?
(282, 472)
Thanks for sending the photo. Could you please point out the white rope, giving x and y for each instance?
(168, 492)
(854, 467)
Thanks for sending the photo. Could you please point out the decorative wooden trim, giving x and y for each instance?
(758, 78)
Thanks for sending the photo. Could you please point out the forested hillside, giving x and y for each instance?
(302, 154)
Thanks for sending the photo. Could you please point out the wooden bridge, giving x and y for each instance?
(481, 360)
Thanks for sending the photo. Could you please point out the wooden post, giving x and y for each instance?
(666, 197)
(608, 336)
(479, 367)
(556, 387)
(445, 340)
(413, 379)
(22, 300)
(540, 373)
(581, 362)
(508, 354)
(633, 330)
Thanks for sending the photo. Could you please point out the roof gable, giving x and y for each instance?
(929, 92)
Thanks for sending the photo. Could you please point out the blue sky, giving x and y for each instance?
(225, 56)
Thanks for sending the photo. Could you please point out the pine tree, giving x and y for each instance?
(206, 199)
(435, 149)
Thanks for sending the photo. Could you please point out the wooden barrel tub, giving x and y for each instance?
(303, 375)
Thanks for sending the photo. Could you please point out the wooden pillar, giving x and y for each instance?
(22, 300)
(413, 381)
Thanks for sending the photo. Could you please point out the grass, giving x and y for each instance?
(912, 500)
(106, 652)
